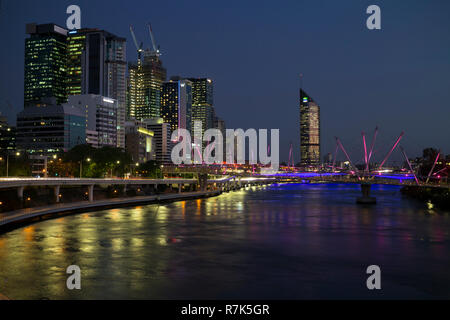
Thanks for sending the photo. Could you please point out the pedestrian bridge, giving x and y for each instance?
(388, 179)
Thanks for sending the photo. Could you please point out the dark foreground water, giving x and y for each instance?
(279, 242)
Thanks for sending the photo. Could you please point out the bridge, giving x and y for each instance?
(175, 189)
(202, 182)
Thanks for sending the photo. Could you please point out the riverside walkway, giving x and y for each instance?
(37, 213)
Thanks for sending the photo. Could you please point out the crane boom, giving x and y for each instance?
(152, 38)
(134, 38)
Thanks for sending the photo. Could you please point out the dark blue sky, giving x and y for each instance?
(397, 78)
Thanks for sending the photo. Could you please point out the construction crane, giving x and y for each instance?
(155, 49)
(138, 48)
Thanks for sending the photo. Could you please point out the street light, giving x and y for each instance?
(81, 166)
(136, 166)
(7, 161)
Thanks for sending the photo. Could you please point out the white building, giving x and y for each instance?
(101, 116)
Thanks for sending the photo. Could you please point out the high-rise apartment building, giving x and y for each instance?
(146, 78)
(45, 63)
(309, 130)
(176, 103)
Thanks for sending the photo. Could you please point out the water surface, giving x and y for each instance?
(290, 241)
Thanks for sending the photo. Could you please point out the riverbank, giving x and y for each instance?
(439, 197)
(14, 219)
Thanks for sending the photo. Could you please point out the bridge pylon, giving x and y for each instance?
(366, 198)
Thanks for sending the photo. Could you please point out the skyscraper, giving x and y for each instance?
(45, 63)
(97, 65)
(176, 103)
(146, 77)
(309, 130)
(202, 102)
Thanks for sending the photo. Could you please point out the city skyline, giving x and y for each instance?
(251, 98)
(201, 153)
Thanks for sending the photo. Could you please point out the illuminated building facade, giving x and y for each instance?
(146, 78)
(47, 128)
(202, 103)
(97, 65)
(139, 141)
(75, 56)
(45, 63)
(101, 117)
(7, 136)
(309, 130)
(176, 103)
(161, 141)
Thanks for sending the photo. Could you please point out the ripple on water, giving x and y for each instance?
(285, 241)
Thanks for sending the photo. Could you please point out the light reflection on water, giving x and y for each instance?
(285, 241)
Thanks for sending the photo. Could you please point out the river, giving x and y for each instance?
(292, 241)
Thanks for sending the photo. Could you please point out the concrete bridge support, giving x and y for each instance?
(56, 192)
(366, 198)
(203, 181)
(91, 193)
(20, 193)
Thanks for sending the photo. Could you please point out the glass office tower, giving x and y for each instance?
(309, 130)
(97, 65)
(176, 103)
(45, 63)
(202, 102)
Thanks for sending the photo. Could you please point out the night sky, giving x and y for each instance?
(397, 78)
